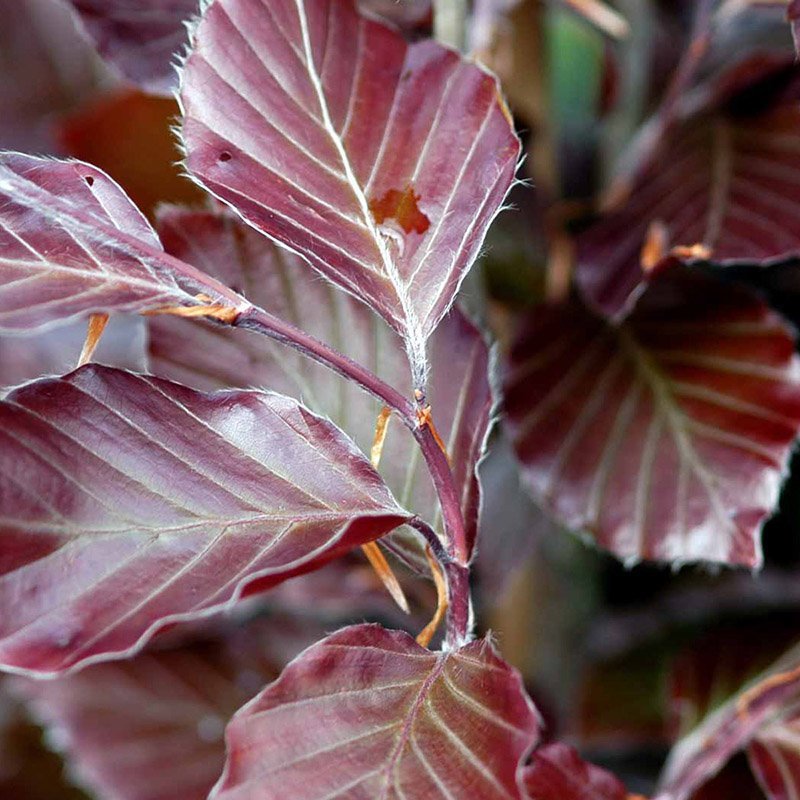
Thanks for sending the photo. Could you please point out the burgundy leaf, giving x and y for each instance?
(557, 772)
(774, 755)
(139, 37)
(761, 709)
(47, 69)
(380, 162)
(368, 713)
(212, 357)
(71, 243)
(130, 502)
(721, 178)
(666, 437)
(152, 727)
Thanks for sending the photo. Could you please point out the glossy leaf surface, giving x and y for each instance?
(380, 162)
(212, 357)
(666, 437)
(130, 502)
(71, 243)
(557, 772)
(722, 177)
(140, 38)
(368, 713)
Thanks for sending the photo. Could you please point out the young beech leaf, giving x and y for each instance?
(557, 772)
(717, 185)
(152, 727)
(665, 437)
(367, 713)
(381, 163)
(140, 38)
(761, 718)
(212, 357)
(130, 502)
(72, 243)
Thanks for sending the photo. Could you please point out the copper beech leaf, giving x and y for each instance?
(381, 163)
(760, 718)
(72, 243)
(152, 727)
(557, 772)
(367, 713)
(140, 38)
(212, 357)
(130, 502)
(666, 437)
(716, 185)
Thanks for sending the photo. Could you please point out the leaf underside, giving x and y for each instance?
(129, 502)
(381, 163)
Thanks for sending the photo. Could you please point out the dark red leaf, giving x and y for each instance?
(72, 243)
(557, 772)
(152, 727)
(765, 707)
(382, 163)
(666, 437)
(722, 177)
(793, 14)
(130, 502)
(212, 357)
(368, 713)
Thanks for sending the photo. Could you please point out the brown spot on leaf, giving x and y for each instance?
(402, 207)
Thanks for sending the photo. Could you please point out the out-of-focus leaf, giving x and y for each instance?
(793, 14)
(666, 437)
(765, 707)
(212, 357)
(152, 727)
(734, 782)
(368, 713)
(774, 755)
(140, 38)
(54, 352)
(382, 163)
(127, 134)
(28, 770)
(72, 243)
(47, 69)
(131, 502)
(721, 178)
(557, 772)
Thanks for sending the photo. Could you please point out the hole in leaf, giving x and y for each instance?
(225, 156)
(402, 207)
(89, 179)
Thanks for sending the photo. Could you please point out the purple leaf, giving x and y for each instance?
(666, 437)
(368, 713)
(766, 704)
(152, 727)
(774, 756)
(557, 772)
(140, 38)
(380, 162)
(48, 69)
(721, 178)
(72, 243)
(793, 15)
(130, 503)
(212, 357)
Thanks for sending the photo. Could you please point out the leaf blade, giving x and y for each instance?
(155, 504)
(391, 682)
(337, 173)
